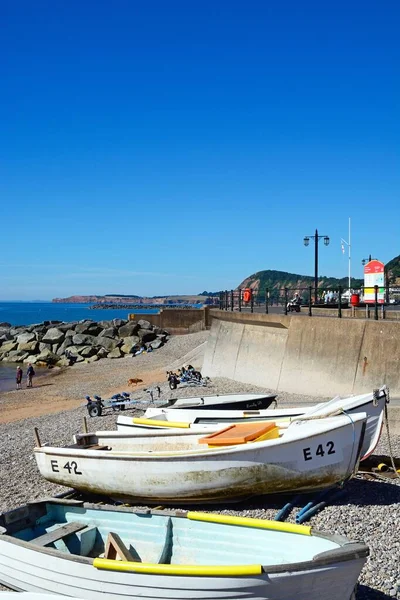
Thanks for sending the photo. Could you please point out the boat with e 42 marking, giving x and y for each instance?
(243, 460)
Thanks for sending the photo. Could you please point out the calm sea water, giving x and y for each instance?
(27, 313)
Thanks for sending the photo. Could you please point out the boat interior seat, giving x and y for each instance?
(87, 538)
(58, 533)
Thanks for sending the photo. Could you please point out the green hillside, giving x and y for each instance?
(280, 279)
(392, 269)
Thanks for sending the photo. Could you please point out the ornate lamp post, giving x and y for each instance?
(316, 239)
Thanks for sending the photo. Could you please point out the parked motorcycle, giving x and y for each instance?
(293, 307)
(190, 377)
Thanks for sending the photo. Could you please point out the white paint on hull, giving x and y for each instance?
(310, 455)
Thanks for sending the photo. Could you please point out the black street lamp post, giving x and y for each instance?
(316, 239)
(367, 260)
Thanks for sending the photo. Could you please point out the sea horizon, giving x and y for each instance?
(30, 312)
(27, 312)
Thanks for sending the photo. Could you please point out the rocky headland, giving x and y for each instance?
(56, 343)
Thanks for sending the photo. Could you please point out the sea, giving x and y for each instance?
(29, 313)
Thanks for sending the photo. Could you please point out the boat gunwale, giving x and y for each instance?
(192, 453)
(346, 549)
(297, 415)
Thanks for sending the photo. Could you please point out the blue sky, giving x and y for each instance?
(171, 147)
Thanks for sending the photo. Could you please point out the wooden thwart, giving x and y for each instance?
(58, 534)
(241, 433)
(115, 547)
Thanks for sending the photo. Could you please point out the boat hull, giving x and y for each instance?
(312, 455)
(225, 402)
(250, 558)
(32, 571)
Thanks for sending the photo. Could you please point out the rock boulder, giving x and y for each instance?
(53, 336)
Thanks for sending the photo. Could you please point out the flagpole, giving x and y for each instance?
(348, 244)
(349, 257)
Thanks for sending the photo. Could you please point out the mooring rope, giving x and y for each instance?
(388, 436)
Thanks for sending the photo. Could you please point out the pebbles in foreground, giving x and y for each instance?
(368, 511)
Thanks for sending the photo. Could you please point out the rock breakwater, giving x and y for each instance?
(57, 343)
(141, 306)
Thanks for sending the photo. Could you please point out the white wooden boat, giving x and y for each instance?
(72, 548)
(307, 455)
(187, 421)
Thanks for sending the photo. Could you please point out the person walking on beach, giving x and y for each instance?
(18, 377)
(30, 373)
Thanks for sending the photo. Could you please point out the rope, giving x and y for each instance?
(388, 436)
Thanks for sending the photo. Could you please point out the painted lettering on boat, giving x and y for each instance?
(320, 452)
(71, 467)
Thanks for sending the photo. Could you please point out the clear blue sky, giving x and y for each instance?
(171, 147)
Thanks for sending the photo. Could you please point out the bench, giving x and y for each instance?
(58, 534)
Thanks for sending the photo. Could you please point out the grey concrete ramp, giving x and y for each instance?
(245, 352)
(261, 354)
(195, 357)
(222, 349)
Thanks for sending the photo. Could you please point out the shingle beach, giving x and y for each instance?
(369, 510)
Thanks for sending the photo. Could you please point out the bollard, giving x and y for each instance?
(231, 300)
(240, 300)
(266, 300)
(309, 301)
(376, 302)
(340, 302)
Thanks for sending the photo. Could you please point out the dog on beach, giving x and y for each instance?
(134, 381)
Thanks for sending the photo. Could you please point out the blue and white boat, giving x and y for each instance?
(87, 551)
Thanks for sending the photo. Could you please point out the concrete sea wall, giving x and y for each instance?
(306, 355)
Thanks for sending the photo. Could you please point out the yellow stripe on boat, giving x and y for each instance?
(249, 522)
(155, 422)
(192, 570)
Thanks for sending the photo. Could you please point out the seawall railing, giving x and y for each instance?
(339, 299)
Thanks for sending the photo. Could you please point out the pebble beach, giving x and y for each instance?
(369, 510)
